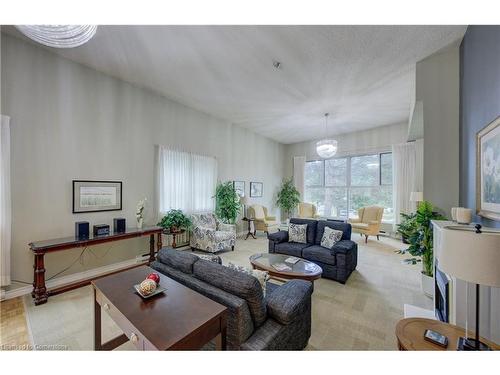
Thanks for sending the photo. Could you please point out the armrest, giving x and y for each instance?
(227, 227)
(354, 220)
(343, 246)
(278, 237)
(288, 302)
(374, 222)
(271, 218)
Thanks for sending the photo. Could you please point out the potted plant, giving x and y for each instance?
(288, 198)
(174, 221)
(407, 227)
(227, 202)
(421, 244)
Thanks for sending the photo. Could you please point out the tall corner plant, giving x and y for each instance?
(419, 236)
(288, 197)
(227, 202)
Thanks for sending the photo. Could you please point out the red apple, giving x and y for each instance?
(155, 277)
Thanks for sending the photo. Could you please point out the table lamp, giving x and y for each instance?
(417, 197)
(473, 255)
(244, 201)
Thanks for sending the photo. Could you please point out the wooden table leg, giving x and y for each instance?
(40, 291)
(151, 248)
(97, 324)
(159, 243)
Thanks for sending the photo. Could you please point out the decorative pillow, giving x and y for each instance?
(297, 233)
(330, 237)
(262, 276)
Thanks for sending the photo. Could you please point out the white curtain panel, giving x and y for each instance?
(5, 203)
(404, 171)
(185, 181)
(299, 166)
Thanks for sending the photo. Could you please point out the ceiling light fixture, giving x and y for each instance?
(326, 148)
(277, 64)
(59, 36)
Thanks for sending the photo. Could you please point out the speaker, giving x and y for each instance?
(82, 229)
(119, 225)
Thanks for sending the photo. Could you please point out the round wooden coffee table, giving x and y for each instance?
(303, 269)
(410, 334)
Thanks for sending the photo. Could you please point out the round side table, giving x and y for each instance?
(410, 334)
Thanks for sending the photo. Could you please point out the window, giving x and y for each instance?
(338, 187)
(185, 181)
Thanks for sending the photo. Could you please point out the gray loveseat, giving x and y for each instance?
(337, 263)
(279, 321)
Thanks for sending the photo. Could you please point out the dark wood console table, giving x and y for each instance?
(40, 293)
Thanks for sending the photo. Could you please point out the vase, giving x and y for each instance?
(139, 223)
(428, 285)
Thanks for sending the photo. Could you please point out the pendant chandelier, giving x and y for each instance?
(326, 148)
(59, 36)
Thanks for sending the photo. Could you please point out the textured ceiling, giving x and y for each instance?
(362, 75)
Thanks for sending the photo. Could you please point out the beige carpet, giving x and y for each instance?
(360, 315)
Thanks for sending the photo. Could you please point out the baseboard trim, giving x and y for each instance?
(73, 278)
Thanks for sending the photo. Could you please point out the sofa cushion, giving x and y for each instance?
(317, 253)
(297, 233)
(311, 227)
(290, 248)
(330, 237)
(262, 276)
(234, 282)
(177, 259)
(344, 227)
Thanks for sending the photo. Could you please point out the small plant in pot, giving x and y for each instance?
(421, 246)
(175, 221)
(288, 198)
(227, 202)
(407, 227)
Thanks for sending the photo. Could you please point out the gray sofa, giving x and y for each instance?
(337, 263)
(279, 321)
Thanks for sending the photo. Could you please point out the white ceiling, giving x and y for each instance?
(362, 75)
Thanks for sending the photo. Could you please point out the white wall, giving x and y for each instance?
(437, 87)
(71, 122)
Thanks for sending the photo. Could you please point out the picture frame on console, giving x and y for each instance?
(96, 196)
(256, 189)
(487, 168)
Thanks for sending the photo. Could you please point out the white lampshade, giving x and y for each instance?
(59, 36)
(470, 256)
(326, 148)
(416, 196)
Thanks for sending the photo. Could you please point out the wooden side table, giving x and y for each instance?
(251, 227)
(173, 234)
(410, 334)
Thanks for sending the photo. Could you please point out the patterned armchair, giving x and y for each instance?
(307, 211)
(368, 221)
(208, 234)
(262, 220)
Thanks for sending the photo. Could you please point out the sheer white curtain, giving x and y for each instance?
(186, 181)
(299, 166)
(404, 174)
(5, 204)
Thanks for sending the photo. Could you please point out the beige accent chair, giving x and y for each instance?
(262, 220)
(368, 221)
(308, 211)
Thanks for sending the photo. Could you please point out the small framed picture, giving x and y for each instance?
(256, 189)
(239, 187)
(96, 196)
